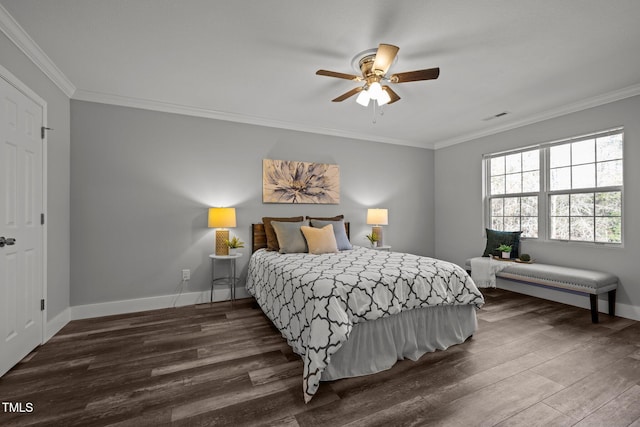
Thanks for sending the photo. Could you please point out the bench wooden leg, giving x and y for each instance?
(612, 303)
(594, 308)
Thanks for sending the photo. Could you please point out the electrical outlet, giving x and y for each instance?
(186, 274)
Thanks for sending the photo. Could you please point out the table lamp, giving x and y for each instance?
(377, 217)
(222, 218)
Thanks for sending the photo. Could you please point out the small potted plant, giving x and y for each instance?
(506, 251)
(525, 258)
(234, 244)
(373, 239)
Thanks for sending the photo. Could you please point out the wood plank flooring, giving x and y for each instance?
(532, 362)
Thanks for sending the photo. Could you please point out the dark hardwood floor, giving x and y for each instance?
(532, 362)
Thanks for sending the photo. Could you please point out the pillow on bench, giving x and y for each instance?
(496, 238)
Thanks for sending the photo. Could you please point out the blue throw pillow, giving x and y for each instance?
(338, 230)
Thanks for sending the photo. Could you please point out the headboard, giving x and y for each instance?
(259, 237)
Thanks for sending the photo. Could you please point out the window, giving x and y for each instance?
(514, 193)
(568, 190)
(585, 189)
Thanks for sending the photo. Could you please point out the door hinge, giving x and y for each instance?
(42, 130)
(41, 219)
(41, 305)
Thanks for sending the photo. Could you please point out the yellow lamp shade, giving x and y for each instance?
(377, 216)
(222, 217)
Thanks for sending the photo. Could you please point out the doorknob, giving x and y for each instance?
(8, 241)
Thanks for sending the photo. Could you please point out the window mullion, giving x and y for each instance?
(543, 199)
(595, 236)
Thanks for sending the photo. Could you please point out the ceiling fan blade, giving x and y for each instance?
(338, 75)
(384, 57)
(414, 76)
(348, 94)
(394, 96)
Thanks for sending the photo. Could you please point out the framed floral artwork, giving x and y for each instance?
(285, 181)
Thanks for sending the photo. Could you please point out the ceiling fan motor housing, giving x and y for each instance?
(366, 67)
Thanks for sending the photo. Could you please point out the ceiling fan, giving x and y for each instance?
(374, 64)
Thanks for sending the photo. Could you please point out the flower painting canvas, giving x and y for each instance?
(285, 181)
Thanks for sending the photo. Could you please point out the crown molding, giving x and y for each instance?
(595, 101)
(10, 27)
(161, 106)
(167, 107)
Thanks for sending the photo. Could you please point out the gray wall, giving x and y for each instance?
(141, 183)
(58, 251)
(458, 196)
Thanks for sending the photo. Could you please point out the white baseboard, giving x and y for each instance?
(622, 310)
(87, 311)
(54, 325)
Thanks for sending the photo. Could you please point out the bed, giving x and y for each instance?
(359, 311)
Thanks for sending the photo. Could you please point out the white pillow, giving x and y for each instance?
(320, 240)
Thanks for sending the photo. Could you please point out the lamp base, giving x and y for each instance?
(377, 230)
(221, 242)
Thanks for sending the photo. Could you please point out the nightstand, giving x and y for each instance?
(383, 248)
(230, 279)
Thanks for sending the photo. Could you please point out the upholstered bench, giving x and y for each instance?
(573, 280)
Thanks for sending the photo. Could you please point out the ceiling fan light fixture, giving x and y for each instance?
(383, 98)
(375, 90)
(363, 98)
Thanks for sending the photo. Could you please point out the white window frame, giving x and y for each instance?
(487, 186)
(545, 193)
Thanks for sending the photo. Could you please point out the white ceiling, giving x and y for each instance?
(255, 61)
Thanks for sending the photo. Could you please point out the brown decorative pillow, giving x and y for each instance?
(333, 218)
(272, 239)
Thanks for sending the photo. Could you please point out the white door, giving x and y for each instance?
(21, 204)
